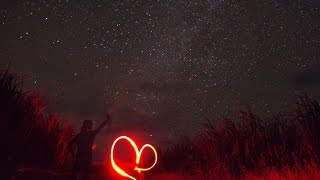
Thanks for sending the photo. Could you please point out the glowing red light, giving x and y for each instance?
(138, 157)
(94, 146)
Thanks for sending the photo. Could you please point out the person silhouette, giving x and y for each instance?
(84, 141)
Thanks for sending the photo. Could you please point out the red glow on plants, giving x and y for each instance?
(138, 154)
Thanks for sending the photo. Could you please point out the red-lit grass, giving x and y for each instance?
(245, 146)
(29, 137)
(238, 146)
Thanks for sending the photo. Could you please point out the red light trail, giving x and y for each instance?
(138, 157)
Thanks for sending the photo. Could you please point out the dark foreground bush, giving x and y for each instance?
(239, 145)
(28, 137)
(243, 143)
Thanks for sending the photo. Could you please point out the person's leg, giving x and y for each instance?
(82, 172)
(87, 171)
(75, 171)
(86, 176)
(74, 175)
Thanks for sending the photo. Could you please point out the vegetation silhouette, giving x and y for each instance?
(29, 137)
(243, 143)
(239, 145)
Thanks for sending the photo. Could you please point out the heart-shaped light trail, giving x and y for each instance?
(138, 157)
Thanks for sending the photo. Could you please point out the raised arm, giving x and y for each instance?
(96, 131)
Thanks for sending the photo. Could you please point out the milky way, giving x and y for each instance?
(165, 66)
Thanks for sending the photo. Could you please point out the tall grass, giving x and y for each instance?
(28, 137)
(240, 145)
(243, 143)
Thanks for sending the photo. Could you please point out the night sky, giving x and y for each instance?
(163, 67)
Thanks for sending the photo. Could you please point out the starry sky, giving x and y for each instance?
(163, 66)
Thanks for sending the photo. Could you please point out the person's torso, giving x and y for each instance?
(84, 143)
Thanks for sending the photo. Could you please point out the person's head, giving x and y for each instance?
(87, 125)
